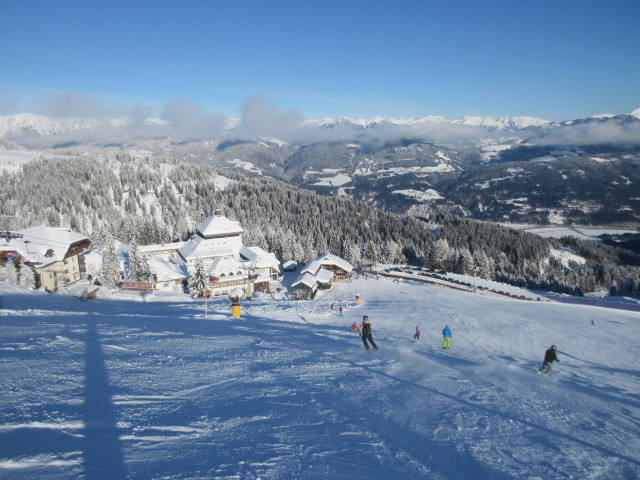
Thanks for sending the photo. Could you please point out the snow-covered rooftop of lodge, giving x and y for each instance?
(37, 241)
(166, 271)
(328, 259)
(198, 247)
(307, 279)
(260, 258)
(218, 225)
(324, 276)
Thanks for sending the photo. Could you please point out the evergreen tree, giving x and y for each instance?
(443, 254)
(138, 264)
(309, 251)
(27, 276)
(430, 255)
(110, 272)
(335, 243)
(10, 273)
(371, 252)
(347, 249)
(392, 252)
(199, 282)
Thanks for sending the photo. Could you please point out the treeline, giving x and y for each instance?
(159, 201)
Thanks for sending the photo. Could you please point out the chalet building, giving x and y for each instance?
(229, 264)
(216, 237)
(166, 276)
(53, 253)
(305, 287)
(319, 274)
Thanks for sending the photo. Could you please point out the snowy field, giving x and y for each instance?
(583, 233)
(150, 388)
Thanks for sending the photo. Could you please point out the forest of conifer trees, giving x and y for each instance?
(145, 201)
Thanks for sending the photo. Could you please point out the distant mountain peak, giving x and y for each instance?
(500, 123)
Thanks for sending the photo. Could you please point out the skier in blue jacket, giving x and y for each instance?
(446, 333)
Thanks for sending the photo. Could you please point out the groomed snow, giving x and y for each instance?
(151, 388)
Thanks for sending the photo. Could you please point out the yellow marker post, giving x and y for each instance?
(234, 298)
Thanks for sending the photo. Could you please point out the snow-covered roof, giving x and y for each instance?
(198, 247)
(324, 276)
(260, 258)
(329, 259)
(218, 225)
(37, 241)
(159, 247)
(305, 279)
(290, 265)
(314, 266)
(166, 271)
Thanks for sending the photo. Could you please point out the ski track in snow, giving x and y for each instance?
(153, 389)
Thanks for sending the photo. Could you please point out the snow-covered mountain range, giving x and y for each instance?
(475, 121)
(518, 169)
(12, 126)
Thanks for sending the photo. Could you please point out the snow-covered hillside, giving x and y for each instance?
(151, 387)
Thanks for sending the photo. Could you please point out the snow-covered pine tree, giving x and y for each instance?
(110, 272)
(335, 242)
(138, 264)
(198, 283)
(371, 252)
(443, 253)
(11, 274)
(27, 277)
(309, 251)
(392, 252)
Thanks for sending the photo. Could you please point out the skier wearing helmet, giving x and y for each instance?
(366, 332)
(550, 356)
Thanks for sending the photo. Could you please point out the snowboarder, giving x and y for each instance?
(417, 334)
(550, 356)
(366, 332)
(354, 327)
(340, 310)
(446, 333)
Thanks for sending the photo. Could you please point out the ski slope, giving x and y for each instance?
(151, 388)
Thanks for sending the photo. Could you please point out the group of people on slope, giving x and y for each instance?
(365, 330)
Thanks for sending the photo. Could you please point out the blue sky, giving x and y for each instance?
(553, 59)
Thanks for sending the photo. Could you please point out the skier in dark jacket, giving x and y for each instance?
(550, 356)
(366, 332)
